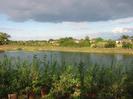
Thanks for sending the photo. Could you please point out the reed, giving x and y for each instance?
(32, 78)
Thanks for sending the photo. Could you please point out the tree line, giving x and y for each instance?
(125, 42)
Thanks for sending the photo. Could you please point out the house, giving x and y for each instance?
(54, 42)
(118, 43)
(76, 41)
(121, 41)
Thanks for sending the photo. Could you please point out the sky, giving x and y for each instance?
(46, 19)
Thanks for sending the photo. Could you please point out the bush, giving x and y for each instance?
(84, 43)
(110, 44)
(74, 82)
(67, 42)
(127, 45)
(66, 85)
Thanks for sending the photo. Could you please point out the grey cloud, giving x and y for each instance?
(66, 10)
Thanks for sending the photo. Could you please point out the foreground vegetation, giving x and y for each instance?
(49, 80)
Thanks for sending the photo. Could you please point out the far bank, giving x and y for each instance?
(65, 49)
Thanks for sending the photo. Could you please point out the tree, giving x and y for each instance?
(67, 42)
(110, 44)
(125, 37)
(127, 45)
(131, 38)
(99, 39)
(85, 43)
(4, 38)
(87, 38)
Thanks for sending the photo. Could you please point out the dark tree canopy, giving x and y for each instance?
(4, 38)
(110, 44)
(125, 37)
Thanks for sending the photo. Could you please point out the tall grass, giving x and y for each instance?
(66, 81)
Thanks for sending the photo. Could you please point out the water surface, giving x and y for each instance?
(71, 58)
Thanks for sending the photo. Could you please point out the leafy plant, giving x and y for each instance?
(110, 44)
(66, 85)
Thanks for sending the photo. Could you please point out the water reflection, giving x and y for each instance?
(69, 58)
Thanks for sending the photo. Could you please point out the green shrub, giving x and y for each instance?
(110, 44)
(87, 82)
(127, 45)
(66, 85)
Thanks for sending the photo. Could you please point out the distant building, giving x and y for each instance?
(54, 42)
(121, 41)
(118, 42)
(76, 41)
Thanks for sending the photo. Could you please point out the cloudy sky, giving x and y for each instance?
(45, 19)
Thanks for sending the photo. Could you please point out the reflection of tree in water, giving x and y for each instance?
(71, 58)
(75, 58)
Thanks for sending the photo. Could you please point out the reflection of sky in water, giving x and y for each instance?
(119, 57)
(73, 58)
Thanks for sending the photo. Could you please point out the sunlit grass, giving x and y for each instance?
(66, 49)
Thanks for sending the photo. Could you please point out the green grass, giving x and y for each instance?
(66, 49)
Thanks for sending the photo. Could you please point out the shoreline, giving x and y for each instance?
(66, 49)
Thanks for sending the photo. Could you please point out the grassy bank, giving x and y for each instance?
(1, 51)
(66, 49)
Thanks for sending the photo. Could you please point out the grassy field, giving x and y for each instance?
(65, 49)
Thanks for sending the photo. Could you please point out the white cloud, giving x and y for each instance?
(77, 25)
(124, 20)
(122, 30)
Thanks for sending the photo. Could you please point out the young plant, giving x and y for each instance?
(65, 87)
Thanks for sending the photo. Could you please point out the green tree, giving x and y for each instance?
(4, 38)
(127, 45)
(67, 42)
(131, 38)
(125, 37)
(84, 42)
(99, 39)
(110, 44)
(87, 38)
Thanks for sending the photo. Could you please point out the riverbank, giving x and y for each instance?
(65, 49)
